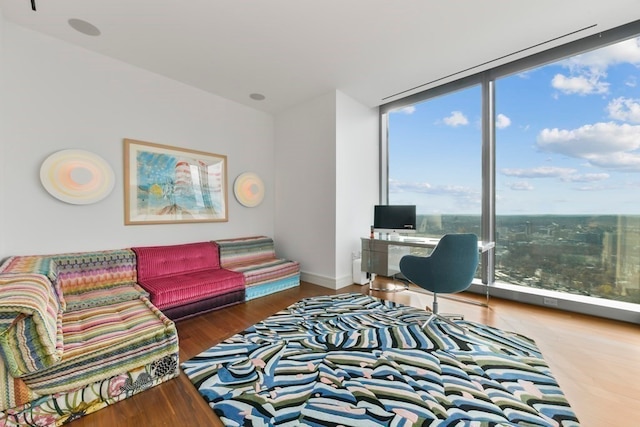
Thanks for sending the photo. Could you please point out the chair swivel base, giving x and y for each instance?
(447, 320)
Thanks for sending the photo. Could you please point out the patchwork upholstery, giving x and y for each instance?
(268, 288)
(33, 264)
(77, 334)
(105, 296)
(255, 258)
(181, 277)
(245, 251)
(81, 331)
(106, 341)
(85, 271)
(61, 408)
(30, 323)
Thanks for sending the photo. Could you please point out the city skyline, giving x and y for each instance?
(567, 141)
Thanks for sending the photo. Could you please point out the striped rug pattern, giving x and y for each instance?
(355, 360)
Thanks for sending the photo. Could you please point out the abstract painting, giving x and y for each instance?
(165, 184)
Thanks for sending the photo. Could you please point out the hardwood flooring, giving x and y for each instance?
(596, 361)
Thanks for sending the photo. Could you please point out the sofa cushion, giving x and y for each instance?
(105, 296)
(85, 271)
(30, 323)
(244, 251)
(171, 291)
(44, 265)
(104, 341)
(35, 264)
(161, 261)
(266, 270)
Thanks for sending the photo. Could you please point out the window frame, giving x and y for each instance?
(486, 79)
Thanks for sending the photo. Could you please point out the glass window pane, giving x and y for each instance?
(435, 162)
(568, 175)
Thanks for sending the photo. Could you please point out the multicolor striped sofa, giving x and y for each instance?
(255, 257)
(77, 334)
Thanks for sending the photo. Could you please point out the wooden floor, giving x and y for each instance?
(596, 361)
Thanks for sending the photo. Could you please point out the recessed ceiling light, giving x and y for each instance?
(84, 27)
(257, 97)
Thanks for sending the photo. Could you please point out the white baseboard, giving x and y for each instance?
(317, 279)
(325, 281)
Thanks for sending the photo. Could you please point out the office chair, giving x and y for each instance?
(449, 268)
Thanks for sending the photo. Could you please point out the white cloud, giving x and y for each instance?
(607, 145)
(564, 174)
(581, 85)
(592, 188)
(502, 121)
(588, 70)
(587, 177)
(405, 110)
(627, 51)
(625, 109)
(401, 187)
(624, 162)
(465, 196)
(521, 186)
(456, 119)
(539, 172)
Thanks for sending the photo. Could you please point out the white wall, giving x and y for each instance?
(57, 96)
(326, 180)
(357, 183)
(305, 226)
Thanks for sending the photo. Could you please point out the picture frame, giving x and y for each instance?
(167, 185)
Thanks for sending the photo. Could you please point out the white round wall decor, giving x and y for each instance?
(76, 176)
(249, 189)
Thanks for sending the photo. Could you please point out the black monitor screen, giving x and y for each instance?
(394, 217)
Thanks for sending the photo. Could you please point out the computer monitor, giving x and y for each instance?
(394, 219)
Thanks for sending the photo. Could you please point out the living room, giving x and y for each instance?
(317, 152)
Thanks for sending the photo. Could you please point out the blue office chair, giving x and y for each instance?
(449, 269)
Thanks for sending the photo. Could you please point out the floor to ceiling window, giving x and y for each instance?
(562, 132)
(434, 147)
(568, 174)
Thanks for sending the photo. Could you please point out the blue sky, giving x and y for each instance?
(568, 141)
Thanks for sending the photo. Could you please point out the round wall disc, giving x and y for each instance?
(76, 176)
(249, 189)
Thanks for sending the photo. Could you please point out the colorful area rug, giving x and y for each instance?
(355, 360)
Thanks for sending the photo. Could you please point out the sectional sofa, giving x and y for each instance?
(81, 331)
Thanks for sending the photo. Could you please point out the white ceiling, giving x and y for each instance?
(294, 50)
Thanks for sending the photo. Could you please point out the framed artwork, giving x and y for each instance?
(165, 185)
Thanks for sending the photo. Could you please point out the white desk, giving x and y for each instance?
(376, 254)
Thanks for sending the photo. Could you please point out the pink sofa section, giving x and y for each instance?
(184, 280)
